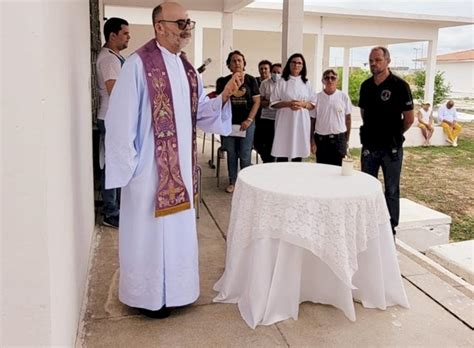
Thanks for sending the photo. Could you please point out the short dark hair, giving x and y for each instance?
(329, 71)
(229, 57)
(286, 70)
(265, 62)
(156, 12)
(386, 52)
(113, 25)
(275, 65)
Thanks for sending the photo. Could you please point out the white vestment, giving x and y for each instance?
(292, 128)
(158, 256)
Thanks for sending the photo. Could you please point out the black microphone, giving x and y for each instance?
(203, 66)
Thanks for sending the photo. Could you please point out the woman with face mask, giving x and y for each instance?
(245, 103)
(267, 120)
(293, 98)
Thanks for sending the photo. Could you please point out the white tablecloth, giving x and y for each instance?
(302, 232)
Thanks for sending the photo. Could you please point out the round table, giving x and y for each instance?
(303, 232)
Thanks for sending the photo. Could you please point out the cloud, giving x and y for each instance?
(456, 39)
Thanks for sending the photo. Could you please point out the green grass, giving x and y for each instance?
(441, 178)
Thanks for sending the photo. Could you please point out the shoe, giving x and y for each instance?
(111, 221)
(455, 143)
(229, 189)
(162, 313)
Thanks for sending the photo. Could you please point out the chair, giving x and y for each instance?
(199, 190)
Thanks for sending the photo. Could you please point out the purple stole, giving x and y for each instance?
(171, 195)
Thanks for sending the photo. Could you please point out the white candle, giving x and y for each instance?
(347, 166)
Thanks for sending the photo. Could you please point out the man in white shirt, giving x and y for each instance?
(448, 117)
(109, 63)
(331, 122)
(151, 153)
(267, 118)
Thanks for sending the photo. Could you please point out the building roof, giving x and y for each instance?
(456, 56)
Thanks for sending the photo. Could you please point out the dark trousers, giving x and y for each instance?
(330, 149)
(264, 134)
(110, 197)
(286, 159)
(391, 162)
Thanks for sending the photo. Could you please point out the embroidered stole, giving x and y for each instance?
(171, 195)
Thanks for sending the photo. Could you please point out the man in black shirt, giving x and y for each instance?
(386, 107)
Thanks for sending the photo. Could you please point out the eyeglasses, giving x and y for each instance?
(182, 23)
(332, 78)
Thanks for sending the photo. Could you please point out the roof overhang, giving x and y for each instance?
(192, 5)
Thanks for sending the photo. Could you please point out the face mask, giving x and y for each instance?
(276, 77)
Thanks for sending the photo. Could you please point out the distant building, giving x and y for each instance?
(458, 68)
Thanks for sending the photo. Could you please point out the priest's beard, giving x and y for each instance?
(179, 41)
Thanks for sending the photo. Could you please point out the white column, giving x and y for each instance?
(227, 39)
(431, 69)
(345, 70)
(326, 56)
(292, 32)
(318, 62)
(198, 45)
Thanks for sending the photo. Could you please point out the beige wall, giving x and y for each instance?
(255, 45)
(47, 186)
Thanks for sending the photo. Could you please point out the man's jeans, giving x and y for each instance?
(238, 148)
(110, 197)
(391, 162)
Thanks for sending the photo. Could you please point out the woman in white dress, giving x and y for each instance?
(293, 98)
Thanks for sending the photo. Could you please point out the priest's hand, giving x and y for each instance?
(233, 85)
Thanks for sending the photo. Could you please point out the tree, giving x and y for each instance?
(441, 90)
(356, 77)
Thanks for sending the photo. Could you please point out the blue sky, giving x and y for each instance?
(449, 40)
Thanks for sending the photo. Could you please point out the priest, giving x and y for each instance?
(155, 106)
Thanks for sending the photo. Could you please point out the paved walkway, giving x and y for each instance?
(440, 313)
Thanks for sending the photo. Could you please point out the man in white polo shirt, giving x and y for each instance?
(448, 117)
(109, 63)
(331, 122)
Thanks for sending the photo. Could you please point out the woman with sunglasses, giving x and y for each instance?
(331, 122)
(293, 98)
(245, 103)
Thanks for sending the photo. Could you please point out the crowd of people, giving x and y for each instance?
(151, 105)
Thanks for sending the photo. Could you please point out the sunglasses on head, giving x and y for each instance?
(332, 78)
(181, 23)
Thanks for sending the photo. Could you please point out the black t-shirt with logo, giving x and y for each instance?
(383, 106)
(241, 100)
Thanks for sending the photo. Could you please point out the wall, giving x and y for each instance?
(460, 75)
(47, 191)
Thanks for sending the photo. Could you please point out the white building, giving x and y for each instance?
(458, 68)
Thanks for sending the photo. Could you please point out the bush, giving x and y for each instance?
(441, 90)
(356, 77)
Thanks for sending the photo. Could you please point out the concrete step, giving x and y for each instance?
(413, 137)
(455, 257)
(421, 227)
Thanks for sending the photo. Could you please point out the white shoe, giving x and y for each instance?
(455, 143)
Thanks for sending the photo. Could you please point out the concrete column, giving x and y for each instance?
(345, 70)
(431, 70)
(318, 62)
(198, 39)
(227, 39)
(326, 56)
(292, 32)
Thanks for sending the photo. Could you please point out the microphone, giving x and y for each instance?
(202, 68)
